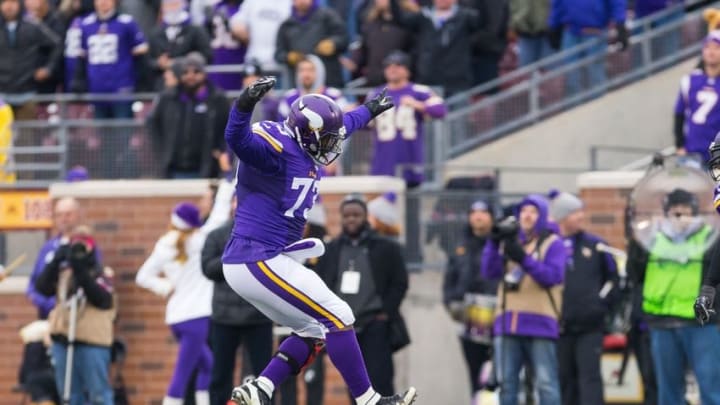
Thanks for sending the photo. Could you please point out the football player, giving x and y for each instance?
(277, 180)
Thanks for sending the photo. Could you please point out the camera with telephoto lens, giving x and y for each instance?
(79, 250)
(508, 228)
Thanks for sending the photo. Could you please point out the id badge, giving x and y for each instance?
(350, 283)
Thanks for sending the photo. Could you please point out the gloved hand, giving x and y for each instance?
(704, 304)
(379, 104)
(62, 253)
(622, 36)
(514, 251)
(254, 92)
(293, 57)
(555, 36)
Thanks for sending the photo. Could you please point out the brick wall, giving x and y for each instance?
(126, 229)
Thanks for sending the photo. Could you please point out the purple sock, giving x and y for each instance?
(278, 370)
(344, 351)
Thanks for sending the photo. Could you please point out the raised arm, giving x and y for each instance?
(149, 274)
(220, 212)
(257, 150)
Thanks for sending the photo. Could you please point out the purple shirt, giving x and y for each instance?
(398, 136)
(276, 185)
(108, 47)
(226, 50)
(698, 101)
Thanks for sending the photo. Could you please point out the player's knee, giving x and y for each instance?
(345, 315)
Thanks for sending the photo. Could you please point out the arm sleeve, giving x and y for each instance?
(636, 262)
(149, 274)
(337, 31)
(556, 19)
(491, 266)
(46, 283)
(551, 270)
(282, 47)
(220, 211)
(610, 274)
(52, 42)
(410, 21)
(211, 257)
(139, 44)
(202, 44)
(44, 302)
(435, 106)
(356, 119)
(399, 281)
(679, 122)
(619, 8)
(712, 275)
(97, 291)
(254, 150)
(451, 281)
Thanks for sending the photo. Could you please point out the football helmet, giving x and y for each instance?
(316, 122)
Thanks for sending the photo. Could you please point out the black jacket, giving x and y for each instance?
(191, 38)
(387, 264)
(324, 23)
(463, 271)
(19, 62)
(583, 310)
(379, 37)
(228, 308)
(170, 119)
(443, 54)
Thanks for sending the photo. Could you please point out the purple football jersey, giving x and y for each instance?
(108, 47)
(698, 101)
(398, 137)
(226, 50)
(276, 185)
(73, 49)
(294, 94)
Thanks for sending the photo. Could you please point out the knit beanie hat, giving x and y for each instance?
(383, 208)
(563, 204)
(185, 216)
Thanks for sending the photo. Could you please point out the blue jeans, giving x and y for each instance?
(89, 374)
(674, 350)
(594, 69)
(532, 49)
(512, 352)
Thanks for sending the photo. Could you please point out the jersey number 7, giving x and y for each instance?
(304, 184)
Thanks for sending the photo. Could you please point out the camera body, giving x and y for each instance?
(508, 228)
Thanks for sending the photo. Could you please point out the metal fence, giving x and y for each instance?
(570, 77)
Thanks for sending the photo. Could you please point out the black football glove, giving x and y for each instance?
(704, 304)
(514, 251)
(379, 104)
(254, 92)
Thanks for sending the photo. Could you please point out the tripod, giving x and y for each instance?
(67, 386)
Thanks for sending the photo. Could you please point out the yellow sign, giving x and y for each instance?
(25, 209)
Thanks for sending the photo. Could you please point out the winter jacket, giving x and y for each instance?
(190, 38)
(589, 270)
(303, 35)
(543, 273)
(171, 118)
(379, 37)
(492, 38)
(444, 49)
(644, 8)
(529, 17)
(462, 274)
(228, 308)
(387, 263)
(577, 15)
(20, 61)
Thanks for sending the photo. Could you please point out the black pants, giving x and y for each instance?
(374, 342)
(476, 354)
(224, 342)
(579, 363)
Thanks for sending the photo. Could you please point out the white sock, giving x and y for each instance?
(202, 398)
(266, 385)
(370, 397)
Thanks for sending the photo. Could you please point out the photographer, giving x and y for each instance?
(530, 260)
(73, 273)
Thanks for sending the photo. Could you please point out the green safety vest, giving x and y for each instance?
(671, 286)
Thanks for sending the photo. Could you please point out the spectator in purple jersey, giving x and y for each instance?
(226, 48)
(380, 35)
(29, 53)
(188, 123)
(50, 21)
(398, 141)
(697, 113)
(312, 29)
(175, 38)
